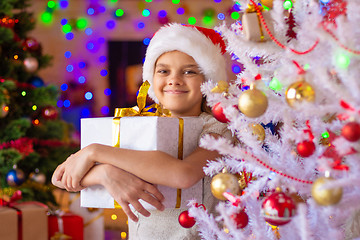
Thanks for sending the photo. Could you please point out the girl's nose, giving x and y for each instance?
(175, 79)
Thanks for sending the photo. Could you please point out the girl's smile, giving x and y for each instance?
(177, 81)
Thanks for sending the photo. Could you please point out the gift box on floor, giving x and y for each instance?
(8, 223)
(26, 221)
(170, 135)
(65, 226)
(254, 29)
(93, 218)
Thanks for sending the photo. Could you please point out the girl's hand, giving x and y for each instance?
(127, 188)
(71, 172)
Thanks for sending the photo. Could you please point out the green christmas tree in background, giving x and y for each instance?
(33, 138)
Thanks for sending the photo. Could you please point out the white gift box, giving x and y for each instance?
(143, 133)
(254, 29)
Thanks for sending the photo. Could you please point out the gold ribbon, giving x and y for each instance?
(139, 110)
(180, 156)
(251, 9)
(60, 236)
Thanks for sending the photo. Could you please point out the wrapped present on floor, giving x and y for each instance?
(177, 137)
(253, 28)
(65, 226)
(8, 223)
(26, 221)
(93, 218)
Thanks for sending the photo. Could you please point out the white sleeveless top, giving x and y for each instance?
(164, 225)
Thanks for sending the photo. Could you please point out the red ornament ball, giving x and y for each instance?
(278, 208)
(306, 148)
(49, 112)
(218, 113)
(31, 44)
(185, 220)
(241, 219)
(351, 131)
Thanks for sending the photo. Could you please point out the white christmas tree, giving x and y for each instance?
(300, 173)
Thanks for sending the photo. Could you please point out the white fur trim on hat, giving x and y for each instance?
(189, 40)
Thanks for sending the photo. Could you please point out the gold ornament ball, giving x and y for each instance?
(325, 197)
(298, 92)
(253, 103)
(224, 182)
(267, 3)
(258, 131)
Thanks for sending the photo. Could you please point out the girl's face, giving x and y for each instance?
(177, 80)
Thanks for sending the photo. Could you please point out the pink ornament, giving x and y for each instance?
(278, 208)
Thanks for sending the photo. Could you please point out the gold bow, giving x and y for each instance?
(251, 8)
(140, 109)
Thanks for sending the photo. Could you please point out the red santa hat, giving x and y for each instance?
(205, 45)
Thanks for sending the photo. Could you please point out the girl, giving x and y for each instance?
(178, 60)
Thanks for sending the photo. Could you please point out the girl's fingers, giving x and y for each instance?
(138, 207)
(147, 197)
(59, 172)
(155, 192)
(125, 207)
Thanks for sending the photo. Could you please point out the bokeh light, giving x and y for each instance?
(146, 41)
(105, 110)
(81, 23)
(103, 72)
(82, 64)
(67, 54)
(119, 12)
(110, 24)
(88, 95)
(192, 20)
(146, 12)
(221, 16)
(102, 59)
(69, 68)
(180, 11)
(64, 3)
(107, 91)
(64, 87)
(66, 103)
(69, 36)
(81, 79)
(46, 17)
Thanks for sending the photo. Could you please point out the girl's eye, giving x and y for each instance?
(187, 72)
(161, 71)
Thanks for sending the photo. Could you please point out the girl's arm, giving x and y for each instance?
(153, 166)
(124, 187)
